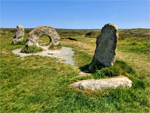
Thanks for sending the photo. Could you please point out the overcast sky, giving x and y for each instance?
(80, 14)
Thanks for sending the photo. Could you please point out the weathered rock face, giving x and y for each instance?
(106, 45)
(19, 35)
(39, 31)
(103, 83)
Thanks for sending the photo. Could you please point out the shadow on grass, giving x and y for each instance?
(91, 68)
(99, 70)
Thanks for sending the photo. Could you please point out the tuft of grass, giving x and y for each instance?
(31, 49)
(133, 43)
(21, 43)
(119, 68)
(100, 71)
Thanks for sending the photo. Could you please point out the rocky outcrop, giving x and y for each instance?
(19, 35)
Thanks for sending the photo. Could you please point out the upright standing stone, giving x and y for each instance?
(19, 35)
(39, 31)
(106, 45)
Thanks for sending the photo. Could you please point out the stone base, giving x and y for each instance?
(15, 41)
(103, 83)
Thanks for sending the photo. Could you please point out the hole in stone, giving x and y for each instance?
(44, 41)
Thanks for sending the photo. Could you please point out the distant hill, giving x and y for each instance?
(123, 33)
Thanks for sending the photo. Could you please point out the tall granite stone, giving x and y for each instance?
(19, 35)
(39, 31)
(106, 45)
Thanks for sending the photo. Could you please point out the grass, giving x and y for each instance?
(119, 68)
(31, 49)
(44, 40)
(136, 47)
(21, 42)
(40, 84)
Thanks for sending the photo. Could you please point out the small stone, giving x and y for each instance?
(19, 35)
(103, 83)
(39, 31)
(106, 45)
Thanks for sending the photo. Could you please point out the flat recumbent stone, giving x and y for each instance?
(103, 83)
(39, 31)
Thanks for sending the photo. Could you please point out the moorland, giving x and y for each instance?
(41, 84)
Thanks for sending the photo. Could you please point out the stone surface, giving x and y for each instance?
(106, 45)
(19, 35)
(103, 83)
(65, 54)
(39, 31)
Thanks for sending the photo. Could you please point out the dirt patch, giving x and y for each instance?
(64, 53)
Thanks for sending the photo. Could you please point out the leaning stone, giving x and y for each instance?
(19, 35)
(103, 83)
(39, 31)
(106, 45)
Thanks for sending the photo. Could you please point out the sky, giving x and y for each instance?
(79, 14)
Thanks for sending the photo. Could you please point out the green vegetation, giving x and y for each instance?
(136, 47)
(31, 49)
(21, 43)
(134, 33)
(119, 68)
(41, 84)
(44, 40)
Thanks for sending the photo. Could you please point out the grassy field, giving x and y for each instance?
(41, 84)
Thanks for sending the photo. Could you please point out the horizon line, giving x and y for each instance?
(72, 28)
